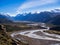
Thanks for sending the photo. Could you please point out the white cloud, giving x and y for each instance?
(34, 3)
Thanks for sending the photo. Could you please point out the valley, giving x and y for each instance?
(32, 38)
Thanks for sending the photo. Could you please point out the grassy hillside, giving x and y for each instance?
(6, 39)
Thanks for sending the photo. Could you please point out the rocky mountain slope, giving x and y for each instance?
(4, 19)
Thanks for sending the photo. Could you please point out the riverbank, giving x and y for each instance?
(32, 38)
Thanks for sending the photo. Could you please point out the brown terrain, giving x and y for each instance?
(33, 41)
(18, 39)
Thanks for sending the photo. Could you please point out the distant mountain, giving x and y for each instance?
(55, 20)
(45, 17)
(41, 17)
(52, 17)
(4, 19)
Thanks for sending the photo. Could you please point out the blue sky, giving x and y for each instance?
(14, 7)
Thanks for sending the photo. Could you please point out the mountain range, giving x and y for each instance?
(5, 19)
(52, 17)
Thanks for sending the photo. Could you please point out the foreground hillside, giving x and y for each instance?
(6, 30)
(5, 39)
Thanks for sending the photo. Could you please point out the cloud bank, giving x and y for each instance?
(34, 3)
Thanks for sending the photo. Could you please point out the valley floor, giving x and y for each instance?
(37, 37)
